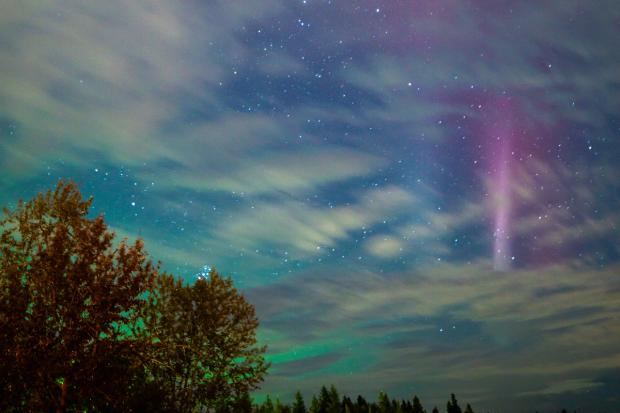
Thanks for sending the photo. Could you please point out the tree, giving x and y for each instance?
(384, 403)
(453, 405)
(435, 409)
(243, 404)
(334, 400)
(267, 406)
(281, 408)
(69, 300)
(299, 405)
(205, 335)
(468, 409)
(362, 404)
(417, 405)
(348, 405)
(314, 405)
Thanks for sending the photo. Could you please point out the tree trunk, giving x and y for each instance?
(63, 397)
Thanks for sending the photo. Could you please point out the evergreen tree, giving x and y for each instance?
(281, 408)
(298, 405)
(324, 400)
(285, 408)
(334, 400)
(453, 405)
(405, 406)
(315, 405)
(435, 409)
(362, 404)
(417, 405)
(384, 403)
(347, 404)
(468, 409)
(267, 406)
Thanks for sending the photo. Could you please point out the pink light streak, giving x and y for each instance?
(501, 132)
(502, 200)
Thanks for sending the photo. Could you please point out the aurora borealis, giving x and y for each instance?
(418, 196)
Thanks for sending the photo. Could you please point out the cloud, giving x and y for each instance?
(462, 325)
(291, 171)
(83, 78)
(565, 386)
(303, 229)
(384, 246)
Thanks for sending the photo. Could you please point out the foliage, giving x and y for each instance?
(89, 324)
(205, 352)
(68, 301)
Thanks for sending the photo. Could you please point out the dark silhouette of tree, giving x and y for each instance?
(347, 405)
(405, 406)
(281, 408)
(334, 400)
(417, 405)
(205, 336)
(314, 405)
(435, 409)
(453, 405)
(324, 400)
(384, 403)
(267, 406)
(298, 405)
(468, 409)
(242, 405)
(69, 300)
(362, 404)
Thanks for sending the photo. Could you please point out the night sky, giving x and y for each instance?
(418, 196)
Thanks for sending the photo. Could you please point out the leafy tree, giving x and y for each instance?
(299, 405)
(69, 299)
(205, 335)
(453, 405)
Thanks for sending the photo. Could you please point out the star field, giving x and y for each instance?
(418, 196)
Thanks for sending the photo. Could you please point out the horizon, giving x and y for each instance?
(418, 197)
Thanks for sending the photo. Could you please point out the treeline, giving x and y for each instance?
(329, 401)
(89, 324)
